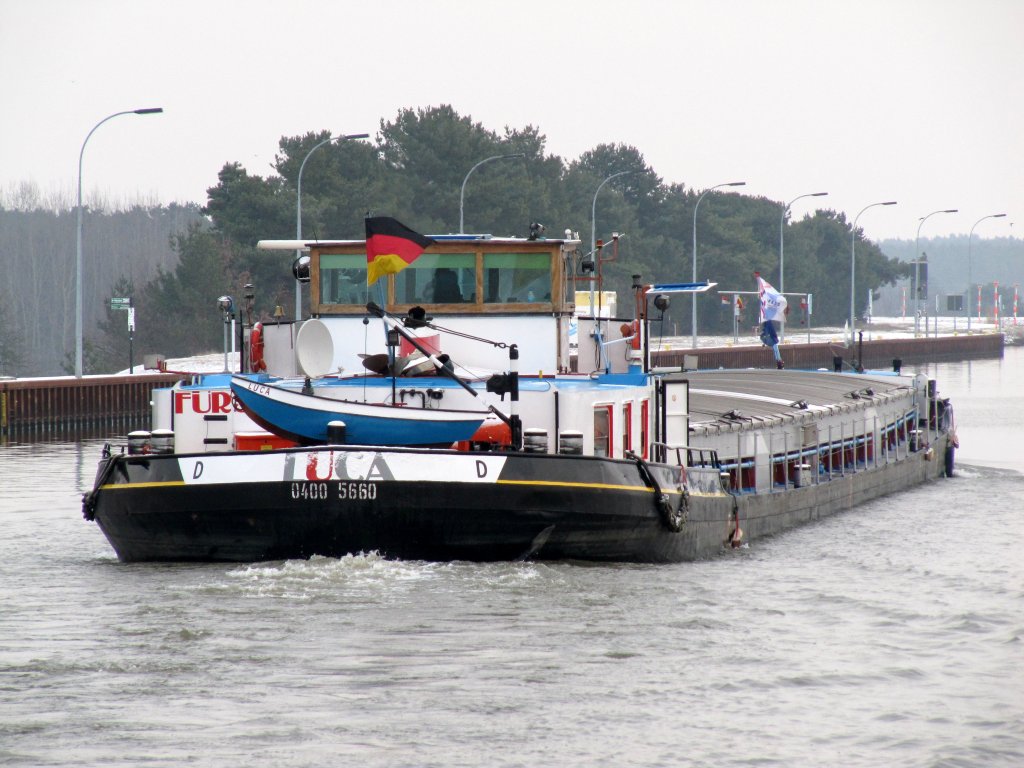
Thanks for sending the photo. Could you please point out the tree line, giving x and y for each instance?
(38, 267)
(414, 171)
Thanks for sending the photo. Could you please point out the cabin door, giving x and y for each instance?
(672, 414)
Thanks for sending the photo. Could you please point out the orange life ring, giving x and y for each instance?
(256, 361)
(631, 330)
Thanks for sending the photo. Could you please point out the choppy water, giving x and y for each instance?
(890, 635)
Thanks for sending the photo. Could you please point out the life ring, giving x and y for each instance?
(631, 331)
(256, 361)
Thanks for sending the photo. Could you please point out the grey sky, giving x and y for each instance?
(918, 101)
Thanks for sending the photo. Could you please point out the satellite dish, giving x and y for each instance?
(314, 349)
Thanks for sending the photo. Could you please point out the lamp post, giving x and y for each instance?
(969, 281)
(917, 269)
(853, 262)
(593, 228)
(693, 322)
(78, 243)
(298, 209)
(782, 234)
(462, 193)
(226, 305)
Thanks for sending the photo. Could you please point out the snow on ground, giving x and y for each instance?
(210, 363)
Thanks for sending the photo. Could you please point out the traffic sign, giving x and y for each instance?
(120, 303)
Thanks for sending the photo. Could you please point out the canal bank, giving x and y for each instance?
(61, 404)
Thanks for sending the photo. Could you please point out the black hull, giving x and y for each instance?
(537, 507)
(245, 524)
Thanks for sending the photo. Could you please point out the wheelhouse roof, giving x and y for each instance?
(306, 245)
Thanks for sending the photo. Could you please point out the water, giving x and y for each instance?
(889, 635)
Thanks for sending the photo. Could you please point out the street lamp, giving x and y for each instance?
(298, 210)
(969, 238)
(782, 233)
(593, 228)
(78, 244)
(693, 323)
(917, 269)
(462, 193)
(853, 261)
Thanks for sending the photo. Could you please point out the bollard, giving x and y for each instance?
(570, 442)
(336, 432)
(535, 440)
(138, 442)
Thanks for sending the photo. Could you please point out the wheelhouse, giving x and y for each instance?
(457, 274)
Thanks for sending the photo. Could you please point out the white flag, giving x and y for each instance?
(773, 303)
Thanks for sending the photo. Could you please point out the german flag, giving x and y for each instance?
(390, 247)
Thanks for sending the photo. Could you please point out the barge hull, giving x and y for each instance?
(538, 507)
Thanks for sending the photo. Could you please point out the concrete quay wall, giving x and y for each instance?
(877, 353)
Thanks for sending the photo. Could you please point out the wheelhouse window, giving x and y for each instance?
(435, 278)
(517, 277)
(343, 278)
(480, 275)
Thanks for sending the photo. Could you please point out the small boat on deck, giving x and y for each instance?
(307, 418)
(598, 456)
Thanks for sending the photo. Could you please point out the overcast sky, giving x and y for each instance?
(919, 101)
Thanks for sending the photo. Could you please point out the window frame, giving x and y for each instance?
(550, 250)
